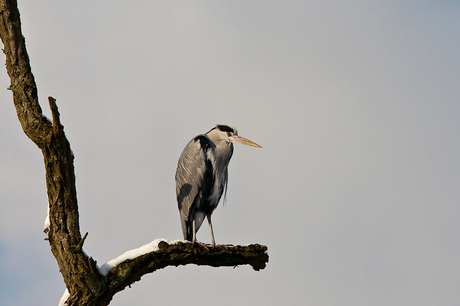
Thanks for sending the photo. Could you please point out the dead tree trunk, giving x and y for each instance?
(83, 279)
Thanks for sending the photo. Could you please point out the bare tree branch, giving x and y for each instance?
(80, 273)
(86, 285)
(129, 271)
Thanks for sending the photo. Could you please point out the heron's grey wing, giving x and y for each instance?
(192, 171)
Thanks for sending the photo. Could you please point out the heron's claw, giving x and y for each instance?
(200, 244)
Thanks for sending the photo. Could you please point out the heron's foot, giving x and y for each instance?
(196, 242)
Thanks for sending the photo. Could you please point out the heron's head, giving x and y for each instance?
(229, 134)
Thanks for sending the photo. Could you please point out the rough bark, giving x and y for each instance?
(130, 271)
(80, 272)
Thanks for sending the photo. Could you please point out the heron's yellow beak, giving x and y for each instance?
(245, 141)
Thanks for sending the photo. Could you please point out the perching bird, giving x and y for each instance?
(202, 174)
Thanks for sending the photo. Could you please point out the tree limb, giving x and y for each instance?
(129, 271)
(86, 285)
(25, 97)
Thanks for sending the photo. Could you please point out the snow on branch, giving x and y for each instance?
(132, 254)
(160, 253)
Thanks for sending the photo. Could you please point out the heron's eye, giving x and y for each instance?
(229, 134)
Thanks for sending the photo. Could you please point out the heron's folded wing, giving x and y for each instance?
(193, 169)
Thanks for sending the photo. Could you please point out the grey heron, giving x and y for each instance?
(202, 176)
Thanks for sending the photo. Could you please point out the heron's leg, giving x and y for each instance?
(193, 231)
(212, 232)
(194, 241)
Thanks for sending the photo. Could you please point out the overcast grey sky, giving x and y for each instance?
(356, 104)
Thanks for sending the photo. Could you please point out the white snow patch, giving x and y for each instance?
(150, 247)
(46, 227)
(65, 296)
